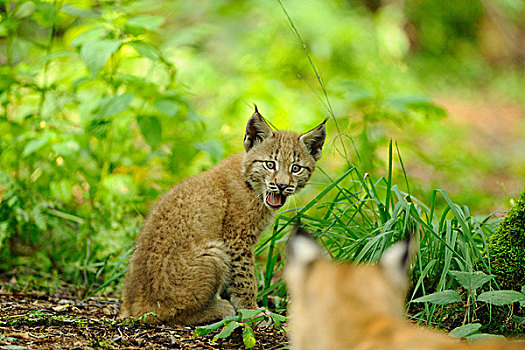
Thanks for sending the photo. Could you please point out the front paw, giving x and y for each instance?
(226, 308)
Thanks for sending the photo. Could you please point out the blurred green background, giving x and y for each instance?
(105, 104)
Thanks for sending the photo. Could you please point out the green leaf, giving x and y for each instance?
(471, 280)
(168, 107)
(247, 314)
(78, 12)
(501, 297)
(66, 148)
(98, 127)
(39, 217)
(440, 298)
(54, 55)
(248, 338)
(356, 93)
(214, 148)
(119, 185)
(24, 10)
(89, 36)
(45, 14)
(145, 50)
(151, 129)
(406, 103)
(465, 330)
(516, 319)
(110, 106)
(62, 190)
(207, 329)
(4, 232)
(33, 146)
(96, 54)
(484, 336)
(227, 330)
(277, 319)
(146, 22)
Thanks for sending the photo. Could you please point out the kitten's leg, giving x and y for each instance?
(217, 310)
(179, 288)
(243, 284)
(211, 261)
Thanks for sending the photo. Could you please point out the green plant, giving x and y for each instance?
(92, 118)
(471, 282)
(469, 331)
(357, 218)
(247, 320)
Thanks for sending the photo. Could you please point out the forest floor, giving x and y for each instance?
(42, 320)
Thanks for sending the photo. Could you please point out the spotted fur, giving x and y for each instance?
(193, 261)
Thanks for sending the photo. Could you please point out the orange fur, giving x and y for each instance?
(343, 306)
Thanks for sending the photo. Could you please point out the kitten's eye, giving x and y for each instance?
(270, 165)
(297, 169)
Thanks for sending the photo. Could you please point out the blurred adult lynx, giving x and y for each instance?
(193, 261)
(343, 306)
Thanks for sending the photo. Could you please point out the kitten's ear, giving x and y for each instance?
(314, 140)
(302, 248)
(256, 130)
(396, 260)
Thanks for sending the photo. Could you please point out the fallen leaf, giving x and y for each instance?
(19, 335)
(61, 307)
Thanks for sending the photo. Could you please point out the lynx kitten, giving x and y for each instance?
(194, 260)
(343, 306)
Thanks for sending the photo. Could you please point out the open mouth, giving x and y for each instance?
(275, 200)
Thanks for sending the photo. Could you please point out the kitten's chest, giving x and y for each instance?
(246, 223)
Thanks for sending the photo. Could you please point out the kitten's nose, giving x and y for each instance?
(282, 187)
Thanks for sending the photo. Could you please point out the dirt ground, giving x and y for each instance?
(39, 320)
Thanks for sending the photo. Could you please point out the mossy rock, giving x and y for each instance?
(507, 248)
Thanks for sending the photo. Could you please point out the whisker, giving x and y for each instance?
(317, 183)
(256, 197)
(300, 200)
(287, 205)
(295, 204)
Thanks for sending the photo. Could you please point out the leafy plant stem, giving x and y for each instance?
(269, 265)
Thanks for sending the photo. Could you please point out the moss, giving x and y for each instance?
(507, 248)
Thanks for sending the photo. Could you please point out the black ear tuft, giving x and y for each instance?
(406, 258)
(314, 140)
(299, 230)
(302, 247)
(396, 261)
(256, 130)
